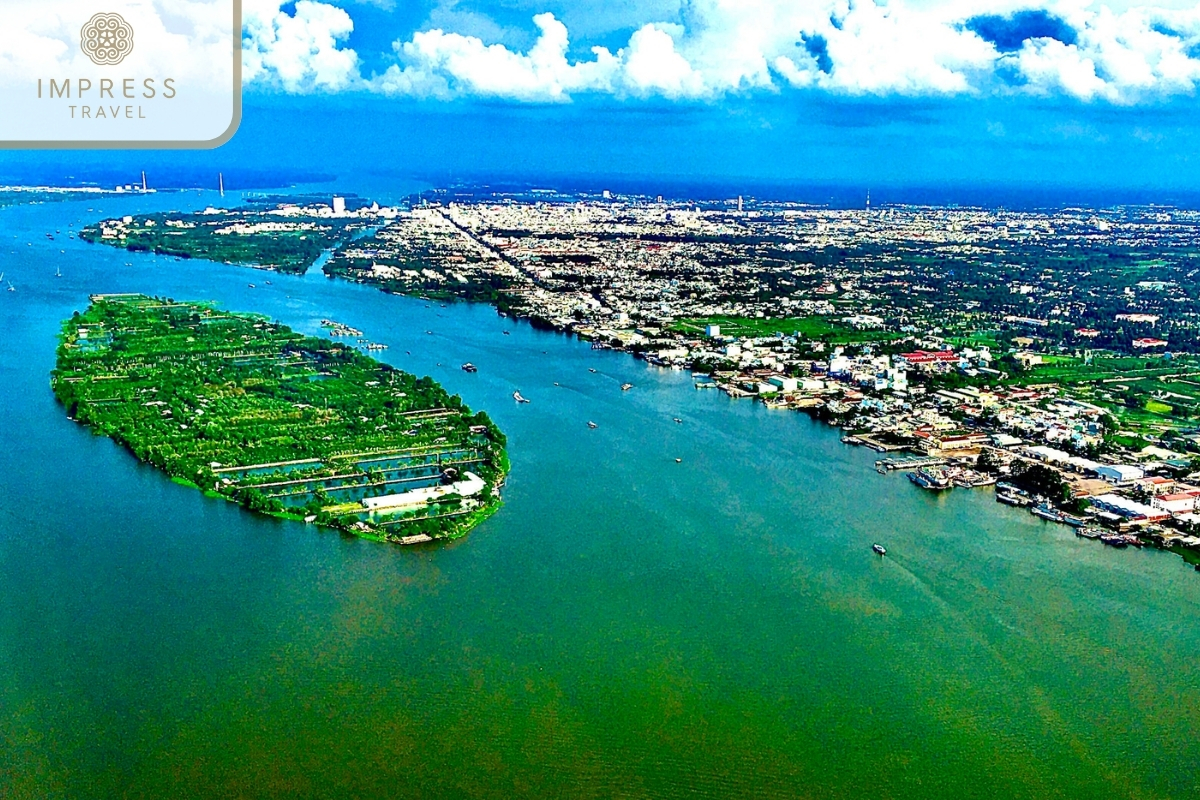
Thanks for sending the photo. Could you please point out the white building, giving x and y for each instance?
(1120, 473)
(469, 486)
(339, 206)
(784, 384)
(712, 331)
(1183, 503)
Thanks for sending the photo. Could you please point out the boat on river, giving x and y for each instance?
(625, 387)
(469, 367)
(880, 549)
(517, 396)
(1047, 512)
(933, 480)
(592, 424)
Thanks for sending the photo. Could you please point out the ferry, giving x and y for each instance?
(880, 549)
(469, 367)
(517, 396)
(928, 479)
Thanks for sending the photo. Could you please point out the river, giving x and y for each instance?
(626, 626)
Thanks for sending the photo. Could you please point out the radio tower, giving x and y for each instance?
(868, 200)
(221, 182)
(143, 181)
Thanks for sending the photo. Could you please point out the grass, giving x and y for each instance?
(811, 327)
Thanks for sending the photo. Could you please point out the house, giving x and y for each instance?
(1147, 344)
(1182, 503)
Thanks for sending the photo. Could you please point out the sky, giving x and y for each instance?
(870, 93)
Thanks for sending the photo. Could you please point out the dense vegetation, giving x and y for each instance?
(250, 238)
(282, 423)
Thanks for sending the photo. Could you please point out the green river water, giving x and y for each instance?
(626, 626)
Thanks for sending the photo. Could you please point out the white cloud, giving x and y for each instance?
(299, 52)
(1116, 51)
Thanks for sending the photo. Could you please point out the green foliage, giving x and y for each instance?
(281, 423)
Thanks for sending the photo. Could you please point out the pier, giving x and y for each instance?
(890, 463)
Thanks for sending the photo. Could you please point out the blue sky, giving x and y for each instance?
(866, 93)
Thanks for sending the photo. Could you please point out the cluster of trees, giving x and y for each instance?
(184, 388)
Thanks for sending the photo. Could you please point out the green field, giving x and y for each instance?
(281, 423)
(818, 328)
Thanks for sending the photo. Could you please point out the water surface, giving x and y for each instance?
(626, 625)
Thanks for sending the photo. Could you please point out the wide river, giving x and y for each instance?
(625, 626)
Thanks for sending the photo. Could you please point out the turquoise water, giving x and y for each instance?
(626, 626)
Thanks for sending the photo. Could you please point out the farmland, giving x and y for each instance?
(284, 424)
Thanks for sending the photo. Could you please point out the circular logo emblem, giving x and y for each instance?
(107, 39)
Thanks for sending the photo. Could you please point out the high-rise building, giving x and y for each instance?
(339, 206)
(739, 203)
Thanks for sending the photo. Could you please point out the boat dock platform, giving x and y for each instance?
(888, 464)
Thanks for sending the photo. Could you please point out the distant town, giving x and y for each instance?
(1051, 353)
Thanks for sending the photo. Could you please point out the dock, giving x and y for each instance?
(888, 464)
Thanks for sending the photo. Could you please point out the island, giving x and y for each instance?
(289, 236)
(284, 424)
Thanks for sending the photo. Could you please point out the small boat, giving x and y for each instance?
(592, 424)
(469, 367)
(1046, 512)
(880, 549)
(625, 387)
(1089, 533)
(678, 421)
(250, 285)
(1114, 540)
(57, 272)
(679, 461)
(506, 333)
(517, 396)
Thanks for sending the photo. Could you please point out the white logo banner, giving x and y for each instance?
(119, 73)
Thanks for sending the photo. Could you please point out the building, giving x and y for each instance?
(339, 206)
(712, 331)
(1182, 503)
(1147, 343)
(1129, 509)
(927, 358)
(1120, 473)
(469, 486)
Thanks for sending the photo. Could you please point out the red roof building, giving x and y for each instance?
(928, 357)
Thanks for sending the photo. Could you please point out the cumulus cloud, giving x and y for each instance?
(300, 51)
(1093, 51)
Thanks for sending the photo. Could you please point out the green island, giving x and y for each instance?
(289, 239)
(284, 424)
